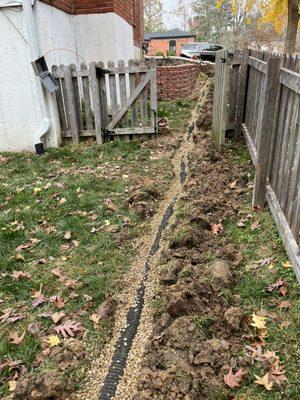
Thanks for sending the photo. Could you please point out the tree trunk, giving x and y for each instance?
(293, 20)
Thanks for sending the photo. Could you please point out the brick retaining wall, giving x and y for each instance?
(176, 81)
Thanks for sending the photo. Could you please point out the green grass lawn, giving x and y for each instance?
(69, 212)
(254, 277)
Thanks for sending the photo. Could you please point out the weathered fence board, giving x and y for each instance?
(95, 101)
(267, 112)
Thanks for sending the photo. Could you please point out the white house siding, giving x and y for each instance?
(95, 37)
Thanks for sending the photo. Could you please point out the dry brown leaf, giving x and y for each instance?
(16, 275)
(276, 285)
(27, 245)
(67, 235)
(285, 304)
(12, 385)
(15, 338)
(56, 272)
(255, 225)
(68, 328)
(59, 302)
(233, 380)
(39, 298)
(216, 229)
(57, 316)
(283, 291)
(95, 319)
(232, 185)
(264, 381)
(110, 205)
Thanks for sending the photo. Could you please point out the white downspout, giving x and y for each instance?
(34, 54)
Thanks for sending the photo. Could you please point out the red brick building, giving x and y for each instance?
(168, 42)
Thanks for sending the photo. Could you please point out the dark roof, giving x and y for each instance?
(174, 33)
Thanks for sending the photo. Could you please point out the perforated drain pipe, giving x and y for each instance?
(124, 343)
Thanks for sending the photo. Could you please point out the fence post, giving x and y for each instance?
(96, 102)
(241, 94)
(271, 85)
(71, 104)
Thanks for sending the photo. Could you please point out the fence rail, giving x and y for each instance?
(266, 91)
(106, 102)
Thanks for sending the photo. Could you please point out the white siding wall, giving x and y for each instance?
(96, 37)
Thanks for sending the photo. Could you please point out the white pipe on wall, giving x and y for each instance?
(34, 54)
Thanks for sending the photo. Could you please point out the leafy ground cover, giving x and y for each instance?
(69, 224)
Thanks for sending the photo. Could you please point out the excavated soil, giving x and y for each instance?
(197, 329)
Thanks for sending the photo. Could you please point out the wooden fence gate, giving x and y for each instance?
(107, 103)
(263, 98)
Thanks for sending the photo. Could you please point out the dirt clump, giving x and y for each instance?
(44, 386)
(221, 273)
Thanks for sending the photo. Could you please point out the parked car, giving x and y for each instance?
(203, 51)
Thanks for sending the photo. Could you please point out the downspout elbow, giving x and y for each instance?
(44, 128)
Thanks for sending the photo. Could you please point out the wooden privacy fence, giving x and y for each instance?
(262, 96)
(107, 103)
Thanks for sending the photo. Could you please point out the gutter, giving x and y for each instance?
(34, 54)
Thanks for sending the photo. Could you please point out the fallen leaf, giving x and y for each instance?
(232, 185)
(62, 200)
(233, 380)
(19, 257)
(33, 328)
(264, 381)
(12, 385)
(265, 261)
(255, 225)
(95, 318)
(285, 324)
(276, 285)
(27, 245)
(38, 298)
(16, 275)
(15, 338)
(285, 304)
(56, 272)
(287, 264)
(53, 341)
(68, 328)
(258, 321)
(283, 291)
(216, 229)
(59, 302)
(57, 316)
(67, 235)
(110, 205)
(279, 379)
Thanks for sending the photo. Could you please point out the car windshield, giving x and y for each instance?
(204, 46)
(191, 46)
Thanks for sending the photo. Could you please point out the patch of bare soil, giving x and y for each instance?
(197, 328)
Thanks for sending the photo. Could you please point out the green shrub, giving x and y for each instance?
(159, 54)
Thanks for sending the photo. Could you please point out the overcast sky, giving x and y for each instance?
(168, 6)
